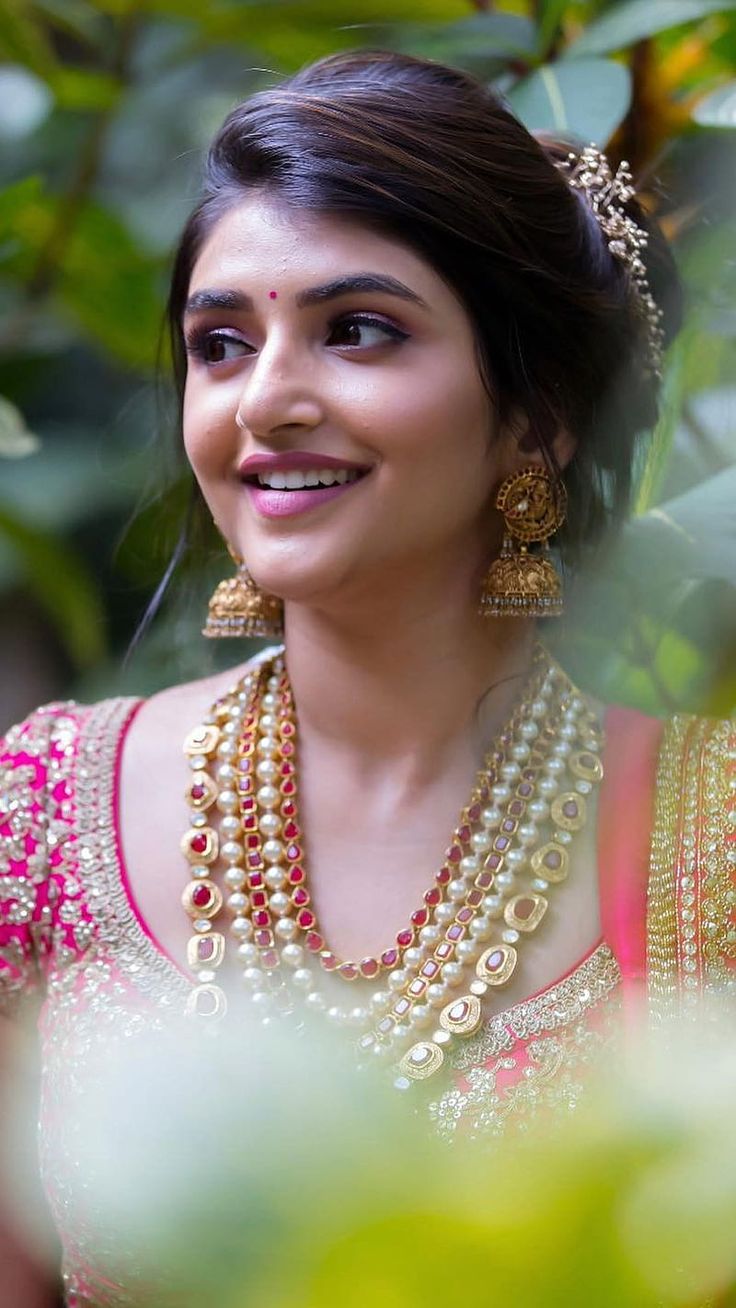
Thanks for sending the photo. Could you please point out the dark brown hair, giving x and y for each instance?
(428, 155)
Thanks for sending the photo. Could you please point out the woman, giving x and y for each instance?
(414, 344)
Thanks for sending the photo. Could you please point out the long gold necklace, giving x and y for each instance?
(527, 802)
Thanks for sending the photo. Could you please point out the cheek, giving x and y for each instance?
(206, 427)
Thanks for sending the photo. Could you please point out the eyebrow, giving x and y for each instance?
(359, 282)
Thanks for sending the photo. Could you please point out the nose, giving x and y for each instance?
(279, 394)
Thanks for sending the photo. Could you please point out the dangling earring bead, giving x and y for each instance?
(239, 607)
(518, 583)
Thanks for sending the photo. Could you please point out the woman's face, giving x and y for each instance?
(317, 346)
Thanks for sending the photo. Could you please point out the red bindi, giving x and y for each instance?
(272, 295)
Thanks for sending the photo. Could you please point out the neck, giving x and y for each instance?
(408, 681)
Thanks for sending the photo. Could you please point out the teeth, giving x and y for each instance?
(294, 480)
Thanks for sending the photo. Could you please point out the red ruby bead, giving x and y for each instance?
(288, 788)
(464, 834)
(455, 933)
(314, 942)
(261, 918)
(464, 915)
(250, 823)
(474, 812)
(484, 880)
(390, 957)
(252, 842)
(293, 852)
(296, 874)
(287, 748)
(198, 843)
(197, 792)
(264, 939)
(201, 896)
(254, 880)
(288, 808)
(433, 896)
(328, 961)
(348, 970)
(300, 897)
(369, 967)
(420, 917)
(404, 938)
(287, 769)
(259, 899)
(270, 959)
(291, 831)
(454, 854)
(306, 919)
(443, 876)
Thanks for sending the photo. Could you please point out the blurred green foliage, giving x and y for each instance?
(105, 109)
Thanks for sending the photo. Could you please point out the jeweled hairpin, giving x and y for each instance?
(607, 192)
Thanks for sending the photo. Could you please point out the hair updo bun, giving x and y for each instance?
(430, 156)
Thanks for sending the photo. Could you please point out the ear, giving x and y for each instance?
(520, 446)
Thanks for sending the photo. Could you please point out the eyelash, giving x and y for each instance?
(198, 338)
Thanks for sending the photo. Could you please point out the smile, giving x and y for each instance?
(295, 480)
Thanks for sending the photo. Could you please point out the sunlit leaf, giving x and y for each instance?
(484, 36)
(586, 98)
(23, 39)
(81, 20)
(16, 441)
(85, 89)
(622, 25)
(717, 109)
(62, 584)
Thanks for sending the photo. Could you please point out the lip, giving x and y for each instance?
(287, 504)
(295, 461)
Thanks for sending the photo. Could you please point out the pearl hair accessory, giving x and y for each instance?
(528, 800)
(606, 193)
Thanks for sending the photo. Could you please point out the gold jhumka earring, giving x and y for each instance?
(519, 583)
(239, 607)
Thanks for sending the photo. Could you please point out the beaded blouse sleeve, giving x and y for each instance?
(29, 802)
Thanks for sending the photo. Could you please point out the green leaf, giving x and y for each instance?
(23, 39)
(717, 109)
(16, 441)
(85, 89)
(63, 586)
(622, 25)
(15, 199)
(494, 35)
(79, 19)
(586, 98)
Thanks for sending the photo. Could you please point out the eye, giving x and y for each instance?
(214, 347)
(363, 331)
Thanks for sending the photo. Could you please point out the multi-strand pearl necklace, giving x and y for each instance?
(528, 800)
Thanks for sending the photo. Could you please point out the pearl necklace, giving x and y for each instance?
(251, 732)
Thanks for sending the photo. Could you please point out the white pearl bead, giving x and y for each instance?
(242, 927)
(397, 979)
(568, 731)
(268, 796)
(230, 826)
(527, 833)
(273, 851)
(469, 866)
(491, 818)
(501, 793)
(562, 749)
(198, 762)
(267, 747)
(286, 928)
(520, 752)
(510, 936)
(538, 707)
(226, 774)
(540, 884)
(237, 902)
(268, 723)
(231, 851)
(538, 809)
(436, 994)
(480, 928)
(261, 1000)
(267, 769)
(453, 973)
(421, 1015)
(234, 878)
(302, 978)
(279, 903)
(315, 1000)
(253, 976)
(430, 934)
(510, 771)
(380, 1000)
(456, 890)
(227, 801)
(269, 700)
(528, 730)
(230, 728)
(481, 842)
(505, 881)
(583, 787)
(554, 767)
(492, 905)
(335, 1014)
(275, 877)
(247, 954)
(293, 955)
(548, 787)
(412, 956)
(269, 824)
(467, 950)
(445, 912)
(357, 1016)
(516, 858)
(227, 749)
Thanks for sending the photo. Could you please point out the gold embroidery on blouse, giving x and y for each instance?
(691, 894)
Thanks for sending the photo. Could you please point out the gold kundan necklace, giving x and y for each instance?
(511, 844)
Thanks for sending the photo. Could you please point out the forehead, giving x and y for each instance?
(261, 242)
